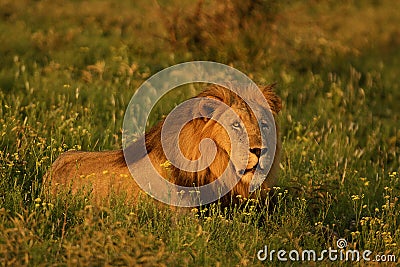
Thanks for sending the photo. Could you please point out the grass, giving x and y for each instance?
(68, 71)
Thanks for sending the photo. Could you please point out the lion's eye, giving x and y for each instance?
(264, 125)
(236, 125)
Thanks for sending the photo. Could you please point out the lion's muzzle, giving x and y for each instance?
(257, 157)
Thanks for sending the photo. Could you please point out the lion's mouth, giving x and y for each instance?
(251, 170)
(247, 171)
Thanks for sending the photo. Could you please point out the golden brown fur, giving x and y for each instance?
(104, 173)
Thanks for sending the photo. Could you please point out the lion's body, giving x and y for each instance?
(104, 173)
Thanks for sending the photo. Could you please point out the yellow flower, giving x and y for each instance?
(166, 164)
(194, 210)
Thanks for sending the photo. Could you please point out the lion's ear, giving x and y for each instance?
(274, 101)
(207, 107)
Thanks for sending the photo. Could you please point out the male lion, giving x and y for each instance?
(104, 173)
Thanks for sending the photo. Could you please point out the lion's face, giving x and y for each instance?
(228, 132)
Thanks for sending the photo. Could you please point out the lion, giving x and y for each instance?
(101, 174)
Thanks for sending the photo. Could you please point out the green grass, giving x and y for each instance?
(68, 71)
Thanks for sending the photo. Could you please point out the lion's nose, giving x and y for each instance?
(263, 159)
(259, 151)
(256, 151)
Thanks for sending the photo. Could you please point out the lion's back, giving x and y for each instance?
(101, 173)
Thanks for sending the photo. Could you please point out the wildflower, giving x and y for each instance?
(166, 164)
(194, 210)
(354, 234)
(38, 200)
(204, 210)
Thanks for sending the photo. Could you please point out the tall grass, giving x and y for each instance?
(68, 71)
